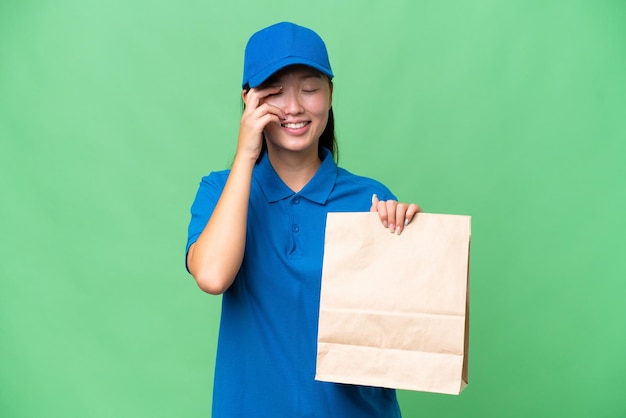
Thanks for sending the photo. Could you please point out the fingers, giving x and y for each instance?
(394, 215)
(391, 206)
(254, 98)
(256, 107)
(256, 116)
(374, 207)
(412, 210)
(404, 215)
(381, 208)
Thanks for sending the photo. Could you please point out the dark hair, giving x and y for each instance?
(327, 139)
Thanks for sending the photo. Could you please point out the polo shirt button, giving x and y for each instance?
(295, 228)
(295, 200)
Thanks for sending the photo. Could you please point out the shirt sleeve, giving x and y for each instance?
(203, 205)
(361, 190)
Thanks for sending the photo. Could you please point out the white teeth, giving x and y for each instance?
(294, 125)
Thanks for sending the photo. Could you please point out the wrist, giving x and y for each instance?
(244, 161)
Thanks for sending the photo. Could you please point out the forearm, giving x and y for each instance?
(215, 258)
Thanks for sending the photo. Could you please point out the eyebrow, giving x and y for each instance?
(311, 74)
(304, 76)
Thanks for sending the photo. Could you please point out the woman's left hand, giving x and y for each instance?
(394, 215)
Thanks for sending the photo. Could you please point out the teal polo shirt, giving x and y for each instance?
(267, 344)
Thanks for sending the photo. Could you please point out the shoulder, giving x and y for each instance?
(210, 189)
(216, 177)
(214, 181)
(348, 180)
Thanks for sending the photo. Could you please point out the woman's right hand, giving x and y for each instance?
(256, 116)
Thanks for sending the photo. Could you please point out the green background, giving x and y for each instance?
(110, 112)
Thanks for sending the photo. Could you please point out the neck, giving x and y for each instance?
(295, 169)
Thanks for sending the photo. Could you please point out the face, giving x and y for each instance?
(305, 100)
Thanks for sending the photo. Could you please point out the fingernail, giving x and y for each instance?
(374, 197)
(406, 221)
(398, 231)
(385, 224)
(391, 228)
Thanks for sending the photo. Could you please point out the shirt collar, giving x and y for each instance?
(317, 189)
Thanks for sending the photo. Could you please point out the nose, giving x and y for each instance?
(292, 104)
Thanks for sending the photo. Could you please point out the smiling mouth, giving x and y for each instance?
(294, 125)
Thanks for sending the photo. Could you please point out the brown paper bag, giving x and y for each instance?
(394, 310)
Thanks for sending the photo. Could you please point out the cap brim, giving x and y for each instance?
(267, 72)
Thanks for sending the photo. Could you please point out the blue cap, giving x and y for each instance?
(279, 46)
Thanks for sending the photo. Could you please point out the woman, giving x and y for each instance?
(257, 236)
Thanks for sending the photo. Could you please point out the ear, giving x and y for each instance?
(244, 94)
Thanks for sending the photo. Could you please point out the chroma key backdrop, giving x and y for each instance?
(513, 112)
